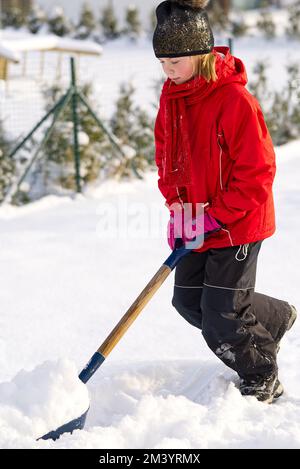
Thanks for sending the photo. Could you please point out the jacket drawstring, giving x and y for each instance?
(244, 248)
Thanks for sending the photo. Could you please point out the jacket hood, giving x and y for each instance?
(229, 69)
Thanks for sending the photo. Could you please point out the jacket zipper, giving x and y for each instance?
(220, 179)
(220, 160)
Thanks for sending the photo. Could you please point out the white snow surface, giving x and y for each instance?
(65, 284)
(36, 402)
(9, 54)
(22, 42)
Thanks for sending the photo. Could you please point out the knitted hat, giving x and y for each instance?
(182, 29)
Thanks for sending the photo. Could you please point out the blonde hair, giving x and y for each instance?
(205, 66)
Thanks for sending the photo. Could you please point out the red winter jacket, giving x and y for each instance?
(233, 159)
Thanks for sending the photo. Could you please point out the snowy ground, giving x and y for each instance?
(64, 286)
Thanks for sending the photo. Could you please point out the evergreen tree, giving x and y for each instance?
(238, 26)
(276, 121)
(87, 22)
(153, 21)
(294, 90)
(143, 140)
(134, 130)
(281, 108)
(266, 24)
(123, 118)
(133, 22)
(36, 19)
(6, 163)
(293, 29)
(259, 87)
(13, 18)
(109, 22)
(58, 169)
(223, 6)
(219, 15)
(58, 23)
(284, 116)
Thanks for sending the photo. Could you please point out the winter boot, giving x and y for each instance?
(265, 389)
(292, 319)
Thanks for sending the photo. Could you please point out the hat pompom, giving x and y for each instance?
(192, 3)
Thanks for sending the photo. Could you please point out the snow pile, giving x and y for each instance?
(39, 401)
(182, 404)
(159, 404)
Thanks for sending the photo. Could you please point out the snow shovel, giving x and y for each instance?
(120, 329)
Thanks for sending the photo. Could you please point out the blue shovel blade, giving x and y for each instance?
(76, 424)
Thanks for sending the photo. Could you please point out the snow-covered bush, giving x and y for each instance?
(281, 108)
(58, 23)
(13, 17)
(265, 24)
(134, 129)
(109, 23)
(36, 19)
(219, 15)
(133, 23)
(87, 22)
(293, 28)
(238, 26)
(6, 163)
(58, 164)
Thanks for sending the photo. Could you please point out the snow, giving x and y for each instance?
(83, 139)
(8, 54)
(128, 151)
(31, 42)
(64, 287)
(38, 401)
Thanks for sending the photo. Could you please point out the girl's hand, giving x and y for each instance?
(183, 230)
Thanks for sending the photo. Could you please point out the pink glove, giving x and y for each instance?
(185, 231)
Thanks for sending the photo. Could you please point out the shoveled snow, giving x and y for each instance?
(38, 401)
(65, 284)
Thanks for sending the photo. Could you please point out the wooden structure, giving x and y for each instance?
(6, 56)
(16, 50)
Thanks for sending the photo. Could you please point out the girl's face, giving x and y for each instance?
(179, 69)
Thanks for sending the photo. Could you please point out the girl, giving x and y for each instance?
(213, 148)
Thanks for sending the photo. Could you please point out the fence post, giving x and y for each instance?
(75, 126)
(230, 45)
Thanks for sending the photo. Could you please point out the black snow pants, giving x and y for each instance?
(214, 291)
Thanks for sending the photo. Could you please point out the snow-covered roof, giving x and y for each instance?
(8, 54)
(30, 42)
